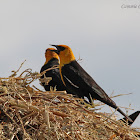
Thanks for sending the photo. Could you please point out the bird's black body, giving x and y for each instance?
(79, 82)
(75, 77)
(54, 73)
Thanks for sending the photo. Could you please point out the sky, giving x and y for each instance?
(104, 34)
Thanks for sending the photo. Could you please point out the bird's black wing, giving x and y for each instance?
(54, 73)
(75, 74)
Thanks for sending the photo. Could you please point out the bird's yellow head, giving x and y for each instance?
(65, 54)
(49, 54)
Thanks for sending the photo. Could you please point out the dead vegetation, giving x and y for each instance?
(31, 114)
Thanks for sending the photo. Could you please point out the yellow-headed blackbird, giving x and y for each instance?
(133, 117)
(52, 60)
(75, 77)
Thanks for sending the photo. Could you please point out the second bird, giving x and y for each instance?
(78, 81)
(52, 60)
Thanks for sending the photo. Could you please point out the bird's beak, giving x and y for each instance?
(57, 47)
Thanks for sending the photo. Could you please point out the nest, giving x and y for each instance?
(29, 113)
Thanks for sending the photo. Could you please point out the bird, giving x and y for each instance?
(133, 116)
(52, 60)
(78, 81)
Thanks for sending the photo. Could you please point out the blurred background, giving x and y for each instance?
(104, 34)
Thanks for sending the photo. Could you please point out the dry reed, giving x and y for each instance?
(31, 114)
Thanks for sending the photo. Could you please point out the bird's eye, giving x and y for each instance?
(61, 48)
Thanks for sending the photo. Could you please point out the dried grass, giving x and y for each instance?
(31, 114)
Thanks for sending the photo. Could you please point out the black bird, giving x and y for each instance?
(78, 81)
(52, 60)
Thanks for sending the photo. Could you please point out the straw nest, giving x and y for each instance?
(31, 114)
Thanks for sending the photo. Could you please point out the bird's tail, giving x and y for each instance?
(132, 116)
(128, 118)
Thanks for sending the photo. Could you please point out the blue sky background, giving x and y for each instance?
(104, 35)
